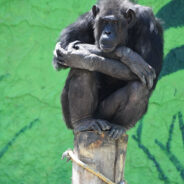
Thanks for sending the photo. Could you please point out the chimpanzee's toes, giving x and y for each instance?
(96, 127)
(87, 125)
(116, 132)
(104, 125)
(119, 134)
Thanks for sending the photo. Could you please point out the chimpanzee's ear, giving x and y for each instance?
(95, 10)
(130, 16)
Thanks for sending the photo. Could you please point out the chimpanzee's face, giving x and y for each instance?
(111, 28)
(110, 31)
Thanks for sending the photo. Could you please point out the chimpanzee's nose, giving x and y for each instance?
(107, 32)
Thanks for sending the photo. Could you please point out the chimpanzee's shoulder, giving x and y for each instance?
(143, 11)
(146, 18)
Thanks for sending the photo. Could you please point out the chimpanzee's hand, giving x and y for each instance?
(78, 56)
(57, 62)
(64, 56)
(90, 124)
(137, 65)
(116, 131)
(61, 56)
(145, 73)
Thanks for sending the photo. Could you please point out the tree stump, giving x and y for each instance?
(102, 154)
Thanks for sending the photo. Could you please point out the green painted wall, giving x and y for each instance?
(32, 133)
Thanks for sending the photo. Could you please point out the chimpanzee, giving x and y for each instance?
(115, 52)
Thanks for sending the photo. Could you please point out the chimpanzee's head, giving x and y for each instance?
(111, 26)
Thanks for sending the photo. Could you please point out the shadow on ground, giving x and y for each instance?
(173, 62)
(172, 14)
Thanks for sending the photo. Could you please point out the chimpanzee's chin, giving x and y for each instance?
(106, 49)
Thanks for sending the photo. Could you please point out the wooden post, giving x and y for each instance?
(102, 154)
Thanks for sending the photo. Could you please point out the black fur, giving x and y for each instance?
(120, 102)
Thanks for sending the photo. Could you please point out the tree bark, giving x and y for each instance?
(102, 154)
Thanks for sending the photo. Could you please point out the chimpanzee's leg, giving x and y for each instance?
(83, 101)
(125, 107)
(135, 108)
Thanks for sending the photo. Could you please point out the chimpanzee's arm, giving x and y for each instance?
(81, 30)
(148, 39)
(88, 57)
(137, 65)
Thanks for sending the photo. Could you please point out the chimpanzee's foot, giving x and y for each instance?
(116, 131)
(90, 124)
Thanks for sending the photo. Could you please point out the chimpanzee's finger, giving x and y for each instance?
(60, 57)
(95, 127)
(150, 76)
(111, 132)
(58, 46)
(73, 45)
(143, 78)
(121, 132)
(149, 80)
(57, 66)
(154, 73)
(119, 135)
(141, 75)
(57, 61)
(152, 70)
(104, 124)
(59, 53)
(116, 134)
